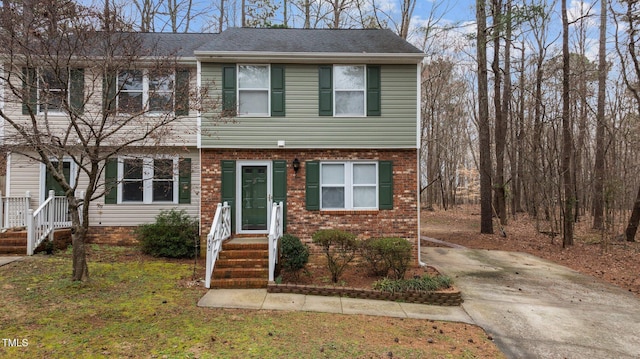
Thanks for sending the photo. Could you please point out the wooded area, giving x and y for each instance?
(528, 107)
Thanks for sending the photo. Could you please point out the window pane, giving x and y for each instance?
(163, 169)
(132, 169)
(130, 102)
(130, 80)
(159, 102)
(364, 174)
(161, 82)
(332, 197)
(364, 197)
(52, 88)
(132, 191)
(254, 102)
(350, 103)
(332, 174)
(349, 77)
(162, 191)
(253, 77)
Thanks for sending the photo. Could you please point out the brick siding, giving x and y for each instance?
(401, 221)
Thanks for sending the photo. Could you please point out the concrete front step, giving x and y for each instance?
(239, 283)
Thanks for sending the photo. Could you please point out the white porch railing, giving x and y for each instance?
(220, 230)
(14, 211)
(53, 213)
(275, 233)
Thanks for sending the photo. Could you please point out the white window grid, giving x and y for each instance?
(266, 89)
(148, 179)
(349, 184)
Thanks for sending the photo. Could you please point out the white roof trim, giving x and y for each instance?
(308, 57)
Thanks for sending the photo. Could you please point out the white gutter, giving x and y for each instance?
(418, 143)
(309, 57)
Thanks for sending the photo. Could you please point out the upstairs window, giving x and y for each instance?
(253, 90)
(161, 91)
(349, 90)
(52, 91)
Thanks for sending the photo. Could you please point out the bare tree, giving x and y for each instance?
(599, 166)
(486, 213)
(567, 137)
(79, 72)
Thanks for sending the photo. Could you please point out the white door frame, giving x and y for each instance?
(239, 166)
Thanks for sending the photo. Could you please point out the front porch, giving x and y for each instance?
(24, 229)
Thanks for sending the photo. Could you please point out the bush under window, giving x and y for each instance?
(174, 234)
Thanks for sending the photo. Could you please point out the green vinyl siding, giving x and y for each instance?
(303, 127)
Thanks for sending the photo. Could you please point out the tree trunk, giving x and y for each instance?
(598, 170)
(499, 132)
(486, 213)
(567, 139)
(78, 238)
(632, 227)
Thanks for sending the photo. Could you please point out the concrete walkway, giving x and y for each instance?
(537, 309)
(260, 299)
(8, 259)
(531, 307)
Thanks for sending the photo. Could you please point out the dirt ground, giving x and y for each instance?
(593, 253)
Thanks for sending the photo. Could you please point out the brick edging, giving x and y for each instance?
(449, 298)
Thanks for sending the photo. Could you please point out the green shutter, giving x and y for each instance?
(229, 89)
(29, 90)
(184, 181)
(385, 184)
(111, 181)
(280, 187)
(182, 92)
(277, 90)
(109, 90)
(312, 169)
(373, 91)
(77, 91)
(325, 100)
(228, 190)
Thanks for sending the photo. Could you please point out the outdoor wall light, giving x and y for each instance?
(295, 165)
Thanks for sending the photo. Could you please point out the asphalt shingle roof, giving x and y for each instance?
(373, 41)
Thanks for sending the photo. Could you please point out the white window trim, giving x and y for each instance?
(39, 104)
(349, 185)
(43, 176)
(268, 88)
(147, 180)
(364, 91)
(145, 94)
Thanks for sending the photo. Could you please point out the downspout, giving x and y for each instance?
(419, 145)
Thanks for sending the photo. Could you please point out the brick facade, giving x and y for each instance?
(115, 235)
(401, 221)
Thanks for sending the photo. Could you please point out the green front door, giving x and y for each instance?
(51, 183)
(254, 198)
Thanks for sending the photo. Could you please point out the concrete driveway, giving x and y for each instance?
(537, 309)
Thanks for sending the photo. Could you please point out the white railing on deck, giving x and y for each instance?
(275, 233)
(53, 213)
(14, 211)
(220, 230)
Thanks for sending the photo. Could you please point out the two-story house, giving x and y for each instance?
(325, 121)
(156, 83)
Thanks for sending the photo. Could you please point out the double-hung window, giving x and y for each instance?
(145, 90)
(253, 90)
(52, 90)
(349, 185)
(148, 180)
(349, 90)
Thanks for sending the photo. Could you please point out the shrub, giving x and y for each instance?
(174, 234)
(340, 247)
(383, 254)
(294, 254)
(425, 283)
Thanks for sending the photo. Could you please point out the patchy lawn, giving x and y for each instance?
(137, 306)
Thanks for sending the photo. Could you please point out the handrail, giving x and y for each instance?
(53, 213)
(14, 210)
(220, 230)
(275, 233)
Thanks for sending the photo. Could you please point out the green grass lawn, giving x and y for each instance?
(138, 306)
